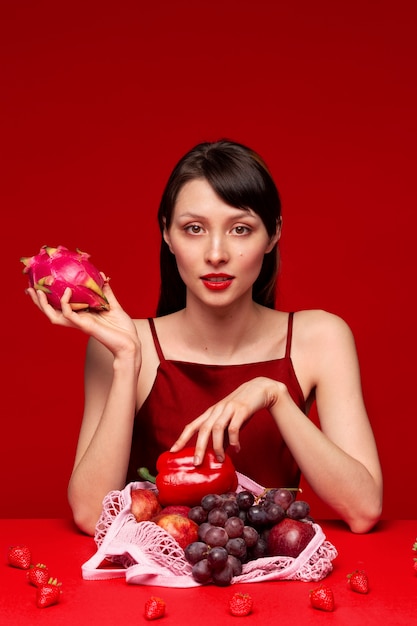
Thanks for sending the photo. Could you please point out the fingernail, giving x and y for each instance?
(220, 458)
(196, 460)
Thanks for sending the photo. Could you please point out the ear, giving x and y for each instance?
(166, 237)
(276, 237)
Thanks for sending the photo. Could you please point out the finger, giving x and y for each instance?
(66, 306)
(240, 415)
(33, 296)
(233, 436)
(190, 430)
(184, 437)
(201, 446)
(214, 426)
(218, 434)
(43, 303)
(109, 294)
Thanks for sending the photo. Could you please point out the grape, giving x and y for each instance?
(250, 535)
(234, 527)
(231, 507)
(217, 557)
(216, 536)
(270, 495)
(217, 516)
(229, 495)
(257, 515)
(259, 550)
(236, 547)
(236, 564)
(223, 577)
(245, 499)
(281, 496)
(274, 513)
(197, 514)
(201, 571)
(298, 509)
(196, 551)
(202, 530)
(210, 501)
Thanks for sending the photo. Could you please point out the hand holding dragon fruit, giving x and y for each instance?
(55, 269)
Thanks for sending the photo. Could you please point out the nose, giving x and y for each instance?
(216, 251)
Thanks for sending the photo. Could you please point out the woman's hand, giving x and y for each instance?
(229, 415)
(113, 328)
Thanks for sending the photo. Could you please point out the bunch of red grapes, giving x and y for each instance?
(234, 529)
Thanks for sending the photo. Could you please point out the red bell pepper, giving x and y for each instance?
(179, 481)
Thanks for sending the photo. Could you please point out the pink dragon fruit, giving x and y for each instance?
(54, 269)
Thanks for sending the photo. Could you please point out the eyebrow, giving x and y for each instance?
(241, 213)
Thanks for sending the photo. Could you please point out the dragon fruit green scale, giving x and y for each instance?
(55, 269)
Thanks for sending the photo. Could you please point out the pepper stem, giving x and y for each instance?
(146, 475)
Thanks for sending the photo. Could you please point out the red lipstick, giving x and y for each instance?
(217, 282)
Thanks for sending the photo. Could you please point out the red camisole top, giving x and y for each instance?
(182, 391)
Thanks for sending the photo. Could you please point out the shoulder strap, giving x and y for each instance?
(156, 340)
(289, 335)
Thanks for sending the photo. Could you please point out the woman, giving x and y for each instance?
(219, 366)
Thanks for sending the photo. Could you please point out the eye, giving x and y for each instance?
(193, 229)
(241, 230)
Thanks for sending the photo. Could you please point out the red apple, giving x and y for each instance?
(180, 509)
(289, 537)
(183, 529)
(145, 504)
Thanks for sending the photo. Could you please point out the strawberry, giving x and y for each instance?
(358, 581)
(38, 575)
(19, 556)
(322, 598)
(154, 608)
(240, 604)
(48, 594)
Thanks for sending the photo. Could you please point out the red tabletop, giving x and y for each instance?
(386, 554)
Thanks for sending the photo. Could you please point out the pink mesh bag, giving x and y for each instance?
(145, 554)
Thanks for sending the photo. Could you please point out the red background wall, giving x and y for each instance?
(99, 100)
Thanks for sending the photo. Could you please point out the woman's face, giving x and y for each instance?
(219, 249)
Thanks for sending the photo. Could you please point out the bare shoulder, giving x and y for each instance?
(143, 329)
(323, 346)
(317, 325)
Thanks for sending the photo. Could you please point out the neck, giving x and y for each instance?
(221, 332)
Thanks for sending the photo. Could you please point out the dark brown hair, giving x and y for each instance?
(241, 179)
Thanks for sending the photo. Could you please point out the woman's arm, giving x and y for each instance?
(112, 368)
(348, 476)
(339, 459)
(105, 438)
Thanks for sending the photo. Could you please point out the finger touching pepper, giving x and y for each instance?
(179, 481)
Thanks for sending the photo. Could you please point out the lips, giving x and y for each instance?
(217, 282)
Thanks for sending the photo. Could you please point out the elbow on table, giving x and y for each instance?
(365, 520)
(85, 514)
(83, 517)
(85, 523)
